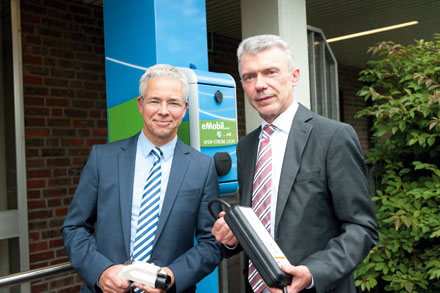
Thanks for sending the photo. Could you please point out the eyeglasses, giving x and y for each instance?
(171, 105)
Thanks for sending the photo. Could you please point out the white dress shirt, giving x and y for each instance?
(278, 142)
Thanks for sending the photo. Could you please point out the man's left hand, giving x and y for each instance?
(301, 278)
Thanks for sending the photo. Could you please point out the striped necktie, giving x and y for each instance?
(262, 188)
(149, 211)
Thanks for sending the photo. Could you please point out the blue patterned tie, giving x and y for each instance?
(149, 211)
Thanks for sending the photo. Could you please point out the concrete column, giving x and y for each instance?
(286, 18)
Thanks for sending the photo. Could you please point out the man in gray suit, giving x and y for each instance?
(316, 202)
(111, 196)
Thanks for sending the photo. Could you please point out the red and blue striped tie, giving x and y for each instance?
(262, 188)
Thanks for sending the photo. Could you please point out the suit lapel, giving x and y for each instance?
(298, 136)
(248, 156)
(177, 174)
(126, 164)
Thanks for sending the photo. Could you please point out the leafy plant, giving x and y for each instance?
(403, 86)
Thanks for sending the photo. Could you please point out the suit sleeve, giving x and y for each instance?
(352, 207)
(201, 259)
(78, 228)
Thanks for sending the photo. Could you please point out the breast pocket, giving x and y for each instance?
(190, 192)
(307, 176)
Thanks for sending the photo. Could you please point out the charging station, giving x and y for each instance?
(213, 122)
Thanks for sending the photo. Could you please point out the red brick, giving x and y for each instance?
(95, 114)
(57, 112)
(72, 141)
(32, 59)
(41, 256)
(93, 141)
(34, 236)
(54, 202)
(34, 80)
(100, 132)
(34, 194)
(37, 132)
(36, 204)
(27, 28)
(58, 162)
(56, 243)
(61, 212)
(38, 288)
(36, 184)
(35, 163)
(42, 173)
(74, 289)
(78, 161)
(59, 82)
(54, 192)
(83, 122)
(54, 182)
(98, 86)
(59, 121)
(38, 246)
(84, 104)
(35, 111)
(35, 101)
(35, 122)
(60, 171)
(38, 215)
(82, 10)
(31, 39)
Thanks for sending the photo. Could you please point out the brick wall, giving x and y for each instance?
(65, 114)
(351, 104)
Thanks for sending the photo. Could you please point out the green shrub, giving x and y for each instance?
(403, 87)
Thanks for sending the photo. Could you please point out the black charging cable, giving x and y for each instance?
(221, 201)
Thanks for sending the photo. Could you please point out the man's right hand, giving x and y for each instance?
(222, 232)
(110, 282)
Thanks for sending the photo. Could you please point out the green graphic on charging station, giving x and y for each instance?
(215, 133)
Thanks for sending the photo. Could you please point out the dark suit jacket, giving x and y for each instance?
(104, 198)
(324, 216)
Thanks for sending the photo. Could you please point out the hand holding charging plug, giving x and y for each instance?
(147, 274)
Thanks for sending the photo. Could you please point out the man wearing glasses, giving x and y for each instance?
(147, 196)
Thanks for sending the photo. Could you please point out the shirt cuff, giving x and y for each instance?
(311, 284)
(230, 247)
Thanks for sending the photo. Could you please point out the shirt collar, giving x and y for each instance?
(284, 121)
(146, 146)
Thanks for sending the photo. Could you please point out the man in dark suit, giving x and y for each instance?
(111, 193)
(318, 208)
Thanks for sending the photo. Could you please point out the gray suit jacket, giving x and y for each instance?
(104, 198)
(324, 216)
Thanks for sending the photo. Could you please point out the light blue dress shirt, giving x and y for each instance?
(144, 162)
